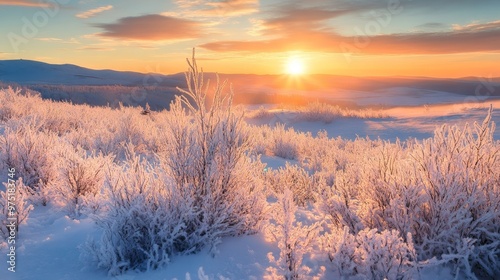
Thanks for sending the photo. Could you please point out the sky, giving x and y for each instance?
(431, 38)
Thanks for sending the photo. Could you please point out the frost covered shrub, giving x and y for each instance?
(460, 217)
(192, 198)
(370, 254)
(283, 143)
(144, 223)
(207, 157)
(318, 111)
(294, 239)
(17, 103)
(280, 141)
(80, 181)
(339, 205)
(20, 200)
(202, 276)
(260, 113)
(443, 190)
(7, 98)
(32, 153)
(326, 113)
(384, 255)
(390, 190)
(294, 178)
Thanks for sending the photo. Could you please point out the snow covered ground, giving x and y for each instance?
(411, 121)
(48, 244)
(50, 250)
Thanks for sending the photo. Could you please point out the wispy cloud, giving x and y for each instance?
(188, 3)
(58, 40)
(477, 26)
(151, 28)
(24, 3)
(49, 39)
(94, 12)
(433, 25)
(477, 38)
(300, 26)
(221, 8)
(90, 48)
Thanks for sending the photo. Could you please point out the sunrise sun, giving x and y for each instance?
(294, 66)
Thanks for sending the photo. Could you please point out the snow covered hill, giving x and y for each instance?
(51, 80)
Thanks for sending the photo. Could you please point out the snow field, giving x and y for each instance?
(120, 194)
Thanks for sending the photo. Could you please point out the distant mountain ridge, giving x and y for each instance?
(26, 72)
(35, 72)
(82, 85)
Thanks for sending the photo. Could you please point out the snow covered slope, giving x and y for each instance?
(26, 72)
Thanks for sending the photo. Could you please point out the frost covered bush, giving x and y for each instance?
(370, 254)
(143, 224)
(17, 103)
(31, 152)
(284, 143)
(390, 191)
(339, 205)
(459, 171)
(326, 113)
(261, 113)
(444, 191)
(80, 181)
(294, 239)
(19, 199)
(188, 200)
(207, 157)
(294, 178)
(317, 111)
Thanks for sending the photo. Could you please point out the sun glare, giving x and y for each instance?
(295, 66)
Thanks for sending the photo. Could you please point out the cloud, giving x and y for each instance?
(188, 3)
(480, 38)
(24, 3)
(421, 6)
(89, 48)
(477, 27)
(296, 27)
(94, 12)
(302, 17)
(221, 8)
(58, 40)
(432, 25)
(49, 39)
(463, 39)
(307, 26)
(151, 28)
(232, 7)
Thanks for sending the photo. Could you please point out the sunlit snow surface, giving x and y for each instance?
(403, 122)
(48, 244)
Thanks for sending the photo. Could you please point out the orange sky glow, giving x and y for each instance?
(359, 38)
